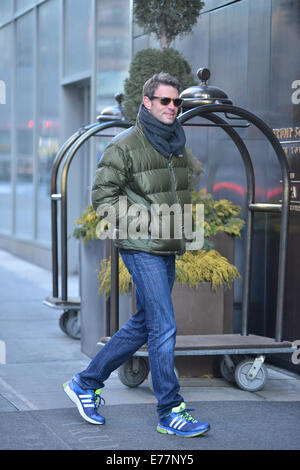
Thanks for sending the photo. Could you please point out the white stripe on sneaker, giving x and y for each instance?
(173, 421)
(88, 405)
(178, 423)
(85, 396)
(182, 424)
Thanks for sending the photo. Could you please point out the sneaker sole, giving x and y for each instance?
(166, 430)
(73, 397)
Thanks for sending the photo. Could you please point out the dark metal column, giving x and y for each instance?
(114, 290)
(55, 197)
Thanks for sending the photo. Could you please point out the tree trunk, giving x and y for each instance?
(164, 41)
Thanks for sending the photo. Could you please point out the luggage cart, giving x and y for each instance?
(69, 321)
(242, 358)
(243, 355)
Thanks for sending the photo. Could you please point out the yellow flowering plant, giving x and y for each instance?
(89, 225)
(194, 267)
(86, 224)
(219, 216)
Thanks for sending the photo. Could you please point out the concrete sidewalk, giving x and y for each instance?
(36, 357)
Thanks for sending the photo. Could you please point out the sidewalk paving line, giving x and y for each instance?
(12, 391)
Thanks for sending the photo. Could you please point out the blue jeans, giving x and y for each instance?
(153, 323)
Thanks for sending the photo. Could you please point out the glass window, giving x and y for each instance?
(113, 56)
(23, 4)
(78, 36)
(6, 10)
(24, 124)
(49, 87)
(113, 49)
(5, 129)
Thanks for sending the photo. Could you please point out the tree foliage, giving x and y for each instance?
(194, 268)
(146, 63)
(167, 18)
(219, 216)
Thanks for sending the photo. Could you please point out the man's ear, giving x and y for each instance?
(147, 102)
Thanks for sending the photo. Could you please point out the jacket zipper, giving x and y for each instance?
(171, 174)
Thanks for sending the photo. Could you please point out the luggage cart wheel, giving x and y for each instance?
(69, 323)
(133, 372)
(251, 374)
(227, 368)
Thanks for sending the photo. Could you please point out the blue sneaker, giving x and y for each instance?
(179, 421)
(87, 401)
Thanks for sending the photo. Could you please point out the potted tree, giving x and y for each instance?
(166, 20)
(202, 277)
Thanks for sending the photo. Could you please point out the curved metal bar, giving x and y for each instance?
(250, 183)
(54, 197)
(61, 153)
(64, 176)
(268, 133)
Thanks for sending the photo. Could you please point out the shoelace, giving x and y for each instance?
(186, 415)
(97, 399)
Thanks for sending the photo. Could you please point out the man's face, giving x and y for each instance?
(167, 113)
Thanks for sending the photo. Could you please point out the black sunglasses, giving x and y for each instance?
(165, 101)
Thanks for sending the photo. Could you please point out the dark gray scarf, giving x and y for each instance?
(165, 138)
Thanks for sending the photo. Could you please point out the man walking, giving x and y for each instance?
(148, 164)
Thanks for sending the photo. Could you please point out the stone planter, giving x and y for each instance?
(93, 306)
(204, 311)
(197, 311)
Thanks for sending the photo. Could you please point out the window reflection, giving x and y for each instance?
(113, 49)
(48, 141)
(113, 56)
(6, 10)
(5, 131)
(78, 36)
(23, 4)
(25, 125)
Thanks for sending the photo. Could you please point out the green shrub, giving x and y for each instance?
(146, 63)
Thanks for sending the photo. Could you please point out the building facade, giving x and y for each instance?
(61, 61)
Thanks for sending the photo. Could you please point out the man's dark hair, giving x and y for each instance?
(161, 78)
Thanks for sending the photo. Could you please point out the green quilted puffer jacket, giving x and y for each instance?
(131, 167)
